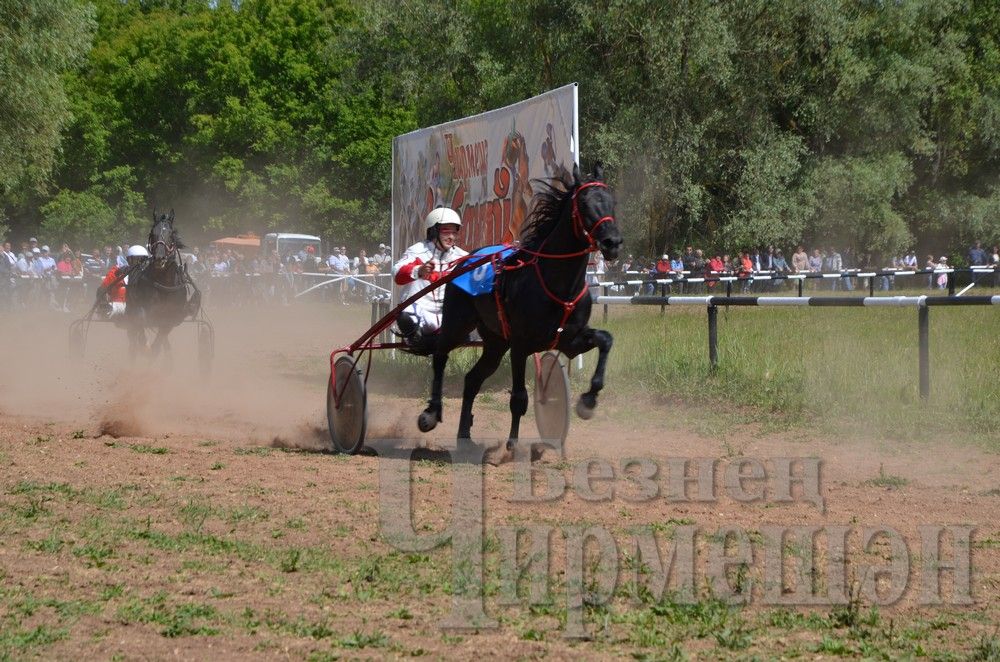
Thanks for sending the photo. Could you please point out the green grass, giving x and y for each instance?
(151, 450)
(843, 369)
(887, 481)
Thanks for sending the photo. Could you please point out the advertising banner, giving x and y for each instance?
(482, 167)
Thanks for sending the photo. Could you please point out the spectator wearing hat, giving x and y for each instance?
(45, 264)
(942, 279)
(341, 266)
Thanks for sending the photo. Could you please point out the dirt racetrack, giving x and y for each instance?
(147, 515)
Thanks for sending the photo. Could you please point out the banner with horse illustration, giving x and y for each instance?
(482, 167)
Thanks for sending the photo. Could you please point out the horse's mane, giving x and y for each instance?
(550, 196)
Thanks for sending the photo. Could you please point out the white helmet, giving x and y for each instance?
(442, 215)
(137, 251)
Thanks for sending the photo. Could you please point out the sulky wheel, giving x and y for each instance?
(346, 407)
(206, 348)
(551, 397)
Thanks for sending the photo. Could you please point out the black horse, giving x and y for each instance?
(542, 299)
(158, 290)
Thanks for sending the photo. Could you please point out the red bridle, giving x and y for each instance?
(579, 229)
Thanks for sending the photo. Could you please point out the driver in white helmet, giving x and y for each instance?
(113, 288)
(424, 263)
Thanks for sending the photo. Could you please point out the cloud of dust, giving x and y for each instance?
(267, 384)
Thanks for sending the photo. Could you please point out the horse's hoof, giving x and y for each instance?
(584, 409)
(428, 420)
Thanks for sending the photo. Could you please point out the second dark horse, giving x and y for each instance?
(158, 291)
(542, 300)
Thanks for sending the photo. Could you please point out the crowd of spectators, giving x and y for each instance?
(694, 263)
(33, 275)
(36, 275)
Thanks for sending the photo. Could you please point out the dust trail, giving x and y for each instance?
(268, 380)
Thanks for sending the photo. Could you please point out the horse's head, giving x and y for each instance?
(594, 213)
(163, 239)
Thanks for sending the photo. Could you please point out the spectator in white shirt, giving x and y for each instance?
(45, 264)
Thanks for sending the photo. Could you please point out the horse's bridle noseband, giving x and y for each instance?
(170, 248)
(579, 229)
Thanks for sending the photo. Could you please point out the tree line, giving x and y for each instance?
(870, 124)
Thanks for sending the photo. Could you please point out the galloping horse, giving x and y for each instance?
(158, 290)
(541, 299)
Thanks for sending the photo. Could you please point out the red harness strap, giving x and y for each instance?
(568, 306)
(581, 232)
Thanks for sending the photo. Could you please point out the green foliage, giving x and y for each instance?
(39, 41)
(868, 125)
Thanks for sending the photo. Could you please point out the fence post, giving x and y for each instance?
(713, 336)
(801, 280)
(923, 317)
(605, 305)
(951, 283)
(663, 293)
(729, 288)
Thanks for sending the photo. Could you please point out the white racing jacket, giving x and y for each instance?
(404, 272)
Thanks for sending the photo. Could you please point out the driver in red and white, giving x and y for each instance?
(424, 263)
(112, 292)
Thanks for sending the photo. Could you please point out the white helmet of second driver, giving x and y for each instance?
(442, 215)
(137, 251)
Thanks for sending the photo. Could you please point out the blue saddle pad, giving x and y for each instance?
(480, 280)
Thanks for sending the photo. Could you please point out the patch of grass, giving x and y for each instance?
(765, 360)
(247, 513)
(402, 613)
(987, 649)
(79, 434)
(734, 636)
(195, 512)
(833, 646)
(174, 620)
(217, 466)
(290, 562)
(150, 450)
(51, 545)
(885, 480)
(94, 555)
(359, 640)
(253, 450)
(532, 634)
(15, 642)
(34, 508)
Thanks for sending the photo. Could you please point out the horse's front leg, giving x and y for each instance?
(168, 354)
(518, 395)
(136, 342)
(493, 350)
(430, 417)
(582, 342)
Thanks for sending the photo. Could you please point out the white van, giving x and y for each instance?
(287, 243)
